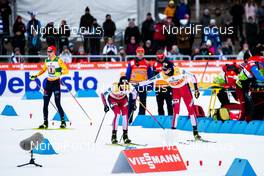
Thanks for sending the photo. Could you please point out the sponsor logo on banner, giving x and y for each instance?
(18, 82)
(158, 159)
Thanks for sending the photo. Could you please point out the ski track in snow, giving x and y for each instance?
(78, 155)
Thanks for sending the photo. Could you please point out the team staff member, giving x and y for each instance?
(249, 76)
(55, 67)
(138, 70)
(162, 88)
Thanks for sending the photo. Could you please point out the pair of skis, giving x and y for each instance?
(128, 144)
(190, 141)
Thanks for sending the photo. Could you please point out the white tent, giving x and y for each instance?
(71, 11)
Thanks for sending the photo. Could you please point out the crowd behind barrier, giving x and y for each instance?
(117, 58)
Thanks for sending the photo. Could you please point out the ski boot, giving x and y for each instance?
(113, 139)
(197, 137)
(45, 125)
(125, 137)
(63, 124)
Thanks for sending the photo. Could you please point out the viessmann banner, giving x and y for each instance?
(14, 78)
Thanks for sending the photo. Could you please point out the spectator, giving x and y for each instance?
(16, 57)
(218, 17)
(159, 37)
(228, 47)
(149, 50)
(109, 27)
(19, 30)
(251, 10)
(2, 38)
(132, 30)
(181, 10)
(66, 55)
(260, 15)
(97, 33)
(5, 11)
(64, 34)
(147, 29)
(237, 12)
(81, 52)
(132, 46)
(170, 9)
(34, 46)
(205, 19)
(184, 39)
(226, 35)
(86, 23)
(110, 49)
(122, 53)
(211, 49)
(171, 38)
(251, 32)
(50, 34)
(204, 50)
(195, 52)
(33, 25)
(241, 54)
(72, 49)
(212, 33)
(174, 53)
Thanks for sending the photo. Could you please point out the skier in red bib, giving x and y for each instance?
(118, 101)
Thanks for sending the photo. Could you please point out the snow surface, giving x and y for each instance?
(78, 155)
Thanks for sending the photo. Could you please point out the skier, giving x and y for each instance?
(118, 101)
(55, 67)
(178, 80)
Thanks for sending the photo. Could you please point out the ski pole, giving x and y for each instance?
(154, 118)
(43, 92)
(78, 103)
(99, 128)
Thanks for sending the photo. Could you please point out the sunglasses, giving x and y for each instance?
(50, 51)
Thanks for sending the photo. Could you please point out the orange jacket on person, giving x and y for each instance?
(169, 11)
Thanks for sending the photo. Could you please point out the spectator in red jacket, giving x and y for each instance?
(132, 46)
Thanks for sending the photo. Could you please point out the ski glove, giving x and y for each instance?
(196, 94)
(106, 109)
(57, 74)
(32, 77)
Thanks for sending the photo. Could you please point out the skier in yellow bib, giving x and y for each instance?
(55, 67)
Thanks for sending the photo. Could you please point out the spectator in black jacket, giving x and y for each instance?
(251, 32)
(149, 50)
(86, 23)
(96, 33)
(5, 11)
(50, 34)
(19, 30)
(33, 25)
(34, 46)
(132, 30)
(109, 27)
(64, 34)
(237, 11)
(147, 29)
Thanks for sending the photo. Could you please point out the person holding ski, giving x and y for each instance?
(55, 67)
(179, 80)
(117, 99)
